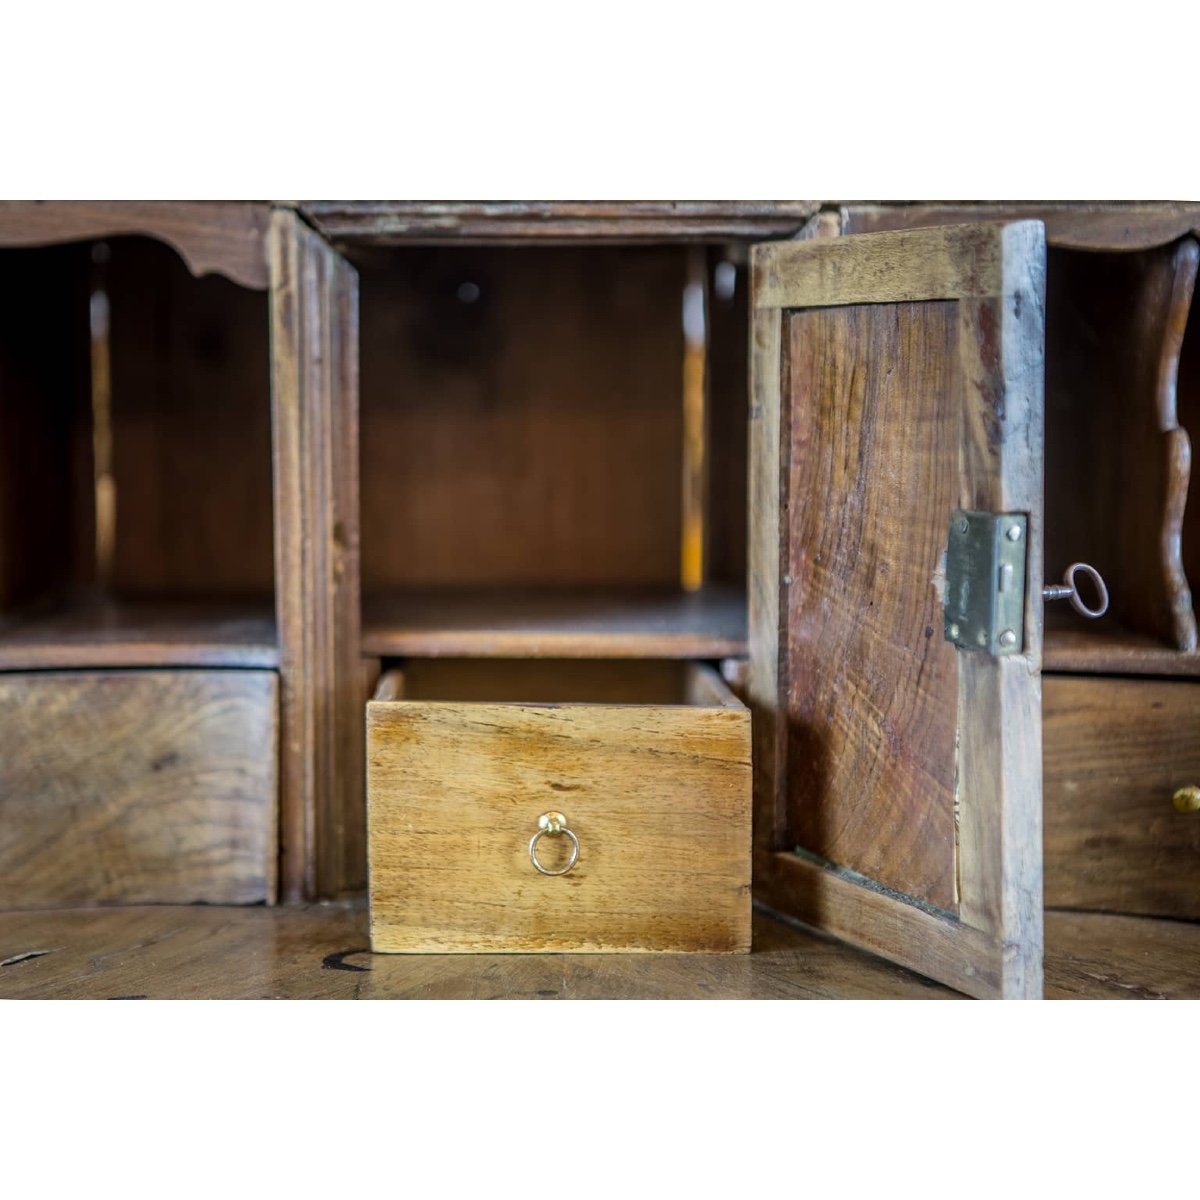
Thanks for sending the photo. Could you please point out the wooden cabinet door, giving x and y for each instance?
(896, 379)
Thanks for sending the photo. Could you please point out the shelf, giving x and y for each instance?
(172, 952)
(94, 633)
(706, 624)
(1104, 647)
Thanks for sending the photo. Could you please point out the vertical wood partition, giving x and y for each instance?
(314, 364)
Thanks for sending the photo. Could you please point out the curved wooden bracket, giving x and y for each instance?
(1179, 447)
(225, 237)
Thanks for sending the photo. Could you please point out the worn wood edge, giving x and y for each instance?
(17, 656)
(765, 685)
(380, 945)
(390, 686)
(417, 222)
(998, 793)
(885, 923)
(296, 771)
(314, 440)
(1178, 448)
(943, 262)
(482, 643)
(706, 689)
(765, 682)
(1070, 225)
(211, 236)
(1097, 656)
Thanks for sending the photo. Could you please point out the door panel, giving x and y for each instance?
(896, 378)
(873, 475)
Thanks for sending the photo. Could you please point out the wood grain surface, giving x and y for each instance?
(1072, 225)
(415, 222)
(1100, 956)
(228, 237)
(659, 798)
(92, 631)
(873, 686)
(530, 435)
(321, 953)
(137, 787)
(1117, 461)
(314, 375)
(1106, 647)
(552, 681)
(856, 460)
(537, 623)
(942, 263)
(191, 387)
(1115, 750)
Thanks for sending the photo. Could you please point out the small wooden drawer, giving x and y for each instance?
(137, 787)
(1115, 751)
(648, 762)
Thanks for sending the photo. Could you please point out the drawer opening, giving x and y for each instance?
(554, 450)
(1122, 396)
(561, 681)
(135, 453)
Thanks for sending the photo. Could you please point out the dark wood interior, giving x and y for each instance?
(545, 681)
(1117, 453)
(124, 377)
(522, 452)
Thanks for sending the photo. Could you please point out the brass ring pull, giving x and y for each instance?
(553, 824)
(1067, 590)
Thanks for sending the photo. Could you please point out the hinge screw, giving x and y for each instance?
(1014, 533)
(1008, 639)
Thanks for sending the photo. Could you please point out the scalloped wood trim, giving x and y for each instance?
(212, 236)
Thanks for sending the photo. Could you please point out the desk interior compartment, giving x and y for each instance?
(1118, 455)
(135, 462)
(554, 449)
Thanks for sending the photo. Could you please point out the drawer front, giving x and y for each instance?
(137, 787)
(658, 797)
(1115, 750)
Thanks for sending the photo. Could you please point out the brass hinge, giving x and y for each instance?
(985, 582)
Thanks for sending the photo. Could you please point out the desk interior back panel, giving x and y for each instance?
(191, 428)
(521, 417)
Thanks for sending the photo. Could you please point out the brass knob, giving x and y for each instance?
(1187, 800)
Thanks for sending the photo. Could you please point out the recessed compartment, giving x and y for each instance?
(553, 451)
(634, 779)
(135, 462)
(1118, 455)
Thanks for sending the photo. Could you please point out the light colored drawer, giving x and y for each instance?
(137, 787)
(1114, 752)
(656, 789)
